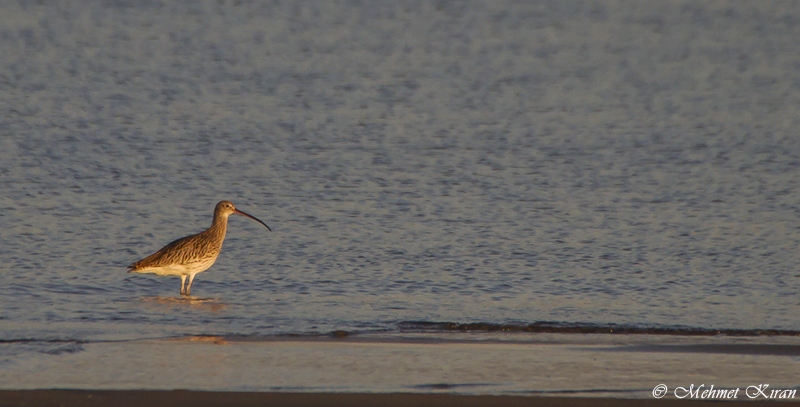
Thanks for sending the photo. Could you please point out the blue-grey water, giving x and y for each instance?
(513, 163)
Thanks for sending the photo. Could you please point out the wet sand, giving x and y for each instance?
(515, 365)
(179, 398)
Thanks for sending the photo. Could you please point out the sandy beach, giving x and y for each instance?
(421, 369)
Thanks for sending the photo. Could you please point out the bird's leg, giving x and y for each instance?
(183, 280)
(189, 287)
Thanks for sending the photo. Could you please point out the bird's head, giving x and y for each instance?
(226, 208)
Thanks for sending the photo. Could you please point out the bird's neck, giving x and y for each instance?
(219, 225)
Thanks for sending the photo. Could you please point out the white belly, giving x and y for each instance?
(179, 269)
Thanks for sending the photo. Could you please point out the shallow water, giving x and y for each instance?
(505, 163)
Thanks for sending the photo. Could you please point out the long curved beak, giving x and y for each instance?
(238, 212)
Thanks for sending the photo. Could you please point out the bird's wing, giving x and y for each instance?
(180, 251)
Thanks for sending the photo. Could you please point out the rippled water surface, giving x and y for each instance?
(505, 163)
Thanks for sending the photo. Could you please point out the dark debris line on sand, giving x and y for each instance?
(180, 398)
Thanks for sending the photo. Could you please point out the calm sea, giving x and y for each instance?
(507, 163)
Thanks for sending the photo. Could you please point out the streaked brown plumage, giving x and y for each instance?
(193, 254)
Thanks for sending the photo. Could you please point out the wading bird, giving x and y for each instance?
(190, 255)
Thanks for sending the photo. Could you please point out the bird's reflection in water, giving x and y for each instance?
(208, 304)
